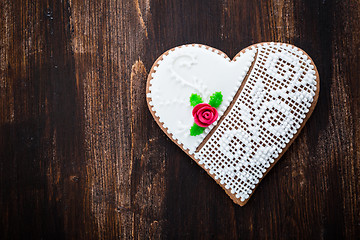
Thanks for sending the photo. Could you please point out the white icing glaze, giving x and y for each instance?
(193, 69)
(265, 117)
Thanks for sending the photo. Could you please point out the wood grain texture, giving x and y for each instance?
(82, 158)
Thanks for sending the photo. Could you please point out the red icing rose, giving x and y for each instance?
(204, 114)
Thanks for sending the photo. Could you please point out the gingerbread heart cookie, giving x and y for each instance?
(234, 118)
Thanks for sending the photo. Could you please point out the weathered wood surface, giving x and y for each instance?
(82, 158)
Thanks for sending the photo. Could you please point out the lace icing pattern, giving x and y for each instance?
(264, 118)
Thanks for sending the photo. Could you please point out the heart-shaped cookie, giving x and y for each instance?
(235, 118)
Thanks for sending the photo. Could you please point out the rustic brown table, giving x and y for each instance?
(82, 158)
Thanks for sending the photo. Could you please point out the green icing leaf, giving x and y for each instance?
(195, 99)
(196, 130)
(216, 99)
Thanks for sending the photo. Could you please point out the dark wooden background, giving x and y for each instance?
(82, 158)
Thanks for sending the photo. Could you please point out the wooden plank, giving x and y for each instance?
(82, 158)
